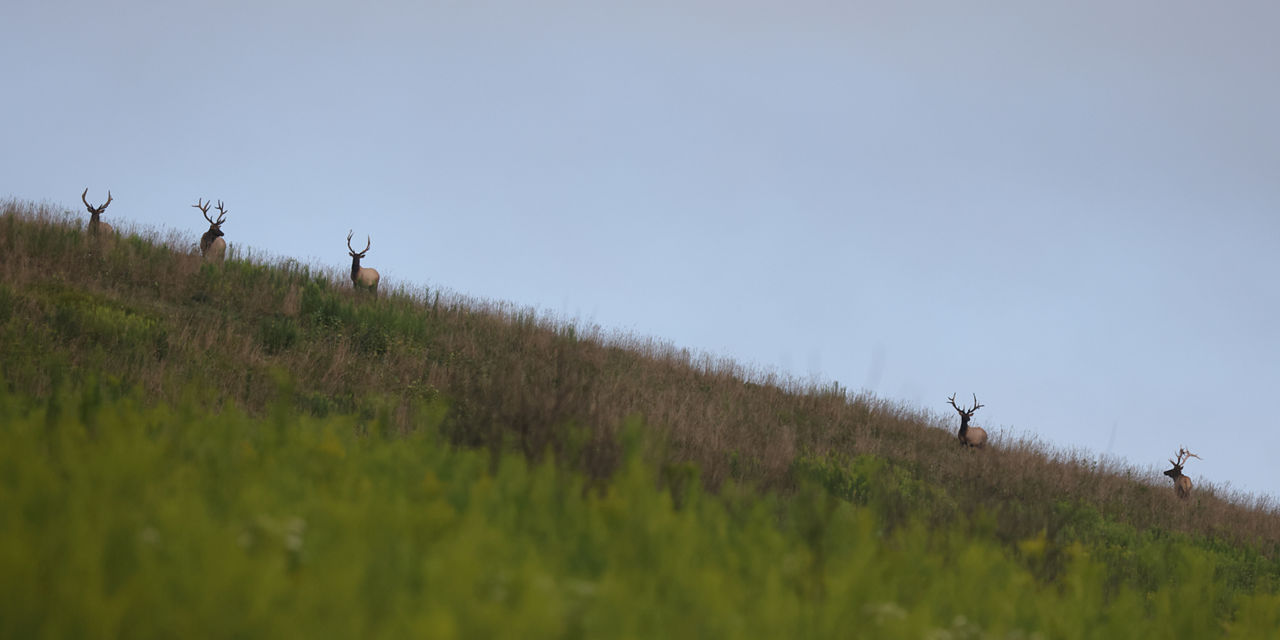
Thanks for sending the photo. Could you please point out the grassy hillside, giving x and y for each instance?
(127, 521)
(420, 461)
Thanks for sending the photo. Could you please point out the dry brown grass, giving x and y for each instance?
(514, 378)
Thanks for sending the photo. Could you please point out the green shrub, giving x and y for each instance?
(8, 300)
(107, 325)
(371, 339)
(277, 334)
(322, 307)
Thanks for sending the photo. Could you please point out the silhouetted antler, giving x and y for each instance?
(92, 209)
(1183, 456)
(355, 253)
(965, 412)
(204, 208)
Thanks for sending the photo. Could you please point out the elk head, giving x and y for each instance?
(975, 437)
(361, 276)
(1181, 483)
(96, 225)
(212, 246)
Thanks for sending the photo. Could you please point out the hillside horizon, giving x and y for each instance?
(787, 415)
(252, 447)
(749, 371)
(1151, 463)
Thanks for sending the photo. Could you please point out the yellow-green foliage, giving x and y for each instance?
(146, 312)
(160, 478)
(119, 519)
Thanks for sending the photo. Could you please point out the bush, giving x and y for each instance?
(277, 334)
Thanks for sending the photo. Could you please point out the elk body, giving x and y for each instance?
(361, 276)
(212, 246)
(1181, 483)
(975, 437)
(96, 225)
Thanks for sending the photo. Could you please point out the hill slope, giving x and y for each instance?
(89, 326)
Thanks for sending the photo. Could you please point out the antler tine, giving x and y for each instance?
(222, 213)
(952, 400)
(92, 209)
(976, 406)
(1183, 455)
(367, 244)
(349, 234)
(204, 208)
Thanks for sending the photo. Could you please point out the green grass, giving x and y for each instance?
(434, 465)
(121, 519)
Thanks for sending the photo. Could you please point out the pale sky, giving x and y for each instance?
(1071, 208)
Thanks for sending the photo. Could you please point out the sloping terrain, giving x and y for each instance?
(280, 380)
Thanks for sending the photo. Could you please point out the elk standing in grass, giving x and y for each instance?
(212, 246)
(361, 276)
(1181, 483)
(96, 226)
(974, 437)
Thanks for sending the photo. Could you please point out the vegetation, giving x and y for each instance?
(171, 522)
(438, 466)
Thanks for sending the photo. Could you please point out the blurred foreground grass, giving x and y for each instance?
(120, 518)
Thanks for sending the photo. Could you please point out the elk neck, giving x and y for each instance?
(355, 267)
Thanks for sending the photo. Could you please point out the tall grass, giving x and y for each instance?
(122, 517)
(143, 311)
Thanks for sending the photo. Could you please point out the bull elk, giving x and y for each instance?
(1181, 483)
(96, 226)
(212, 246)
(975, 437)
(361, 276)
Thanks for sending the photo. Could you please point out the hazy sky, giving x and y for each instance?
(1071, 208)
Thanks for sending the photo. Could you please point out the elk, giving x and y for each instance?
(96, 225)
(361, 276)
(974, 437)
(212, 246)
(1181, 483)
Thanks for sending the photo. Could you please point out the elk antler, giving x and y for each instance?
(965, 412)
(92, 209)
(222, 214)
(204, 208)
(1183, 456)
(359, 254)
